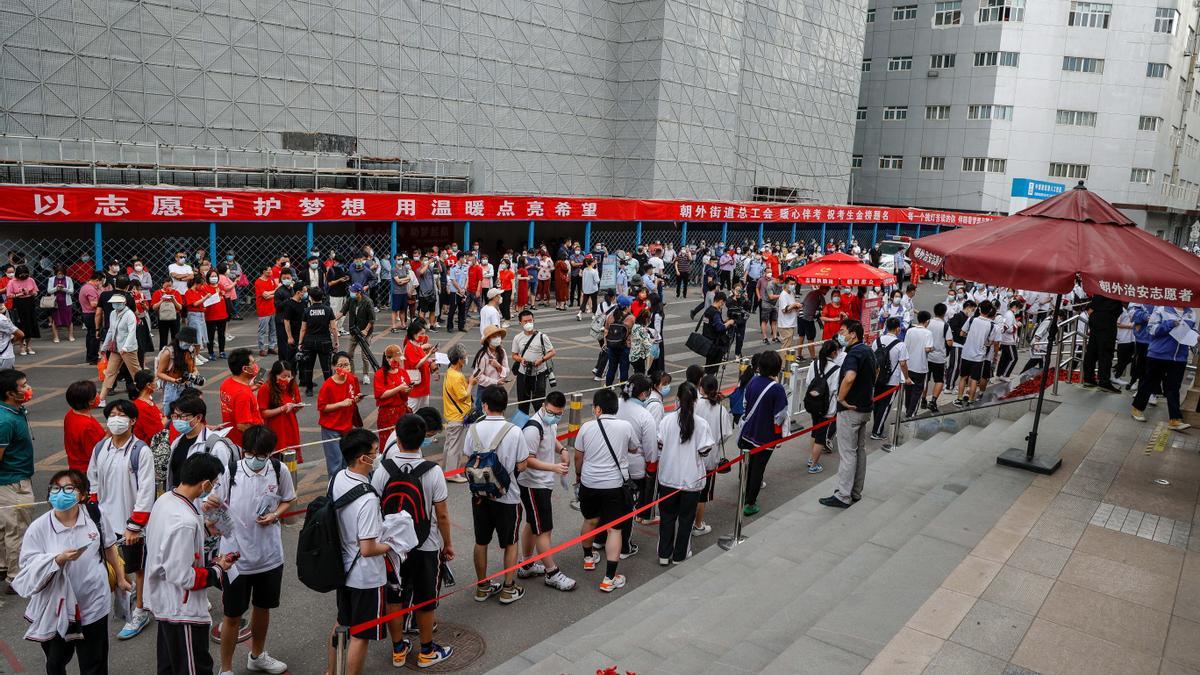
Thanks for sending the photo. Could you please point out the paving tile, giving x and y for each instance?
(1040, 557)
(1052, 648)
(992, 629)
(1136, 489)
(998, 545)
(1093, 468)
(1058, 529)
(941, 613)
(1018, 670)
(972, 575)
(1183, 642)
(1135, 552)
(1073, 507)
(1018, 589)
(909, 652)
(1187, 597)
(809, 655)
(1120, 580)
(955, 659)
(1090, 488)
(1127, 624)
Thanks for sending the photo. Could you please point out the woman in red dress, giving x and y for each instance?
(418, 359)
(832, 316)
(562, 282)
(279, 399)
(392, 385)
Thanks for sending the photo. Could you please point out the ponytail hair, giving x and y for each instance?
(828, 349)
(687, 411)
(637, 385)
(710, 389)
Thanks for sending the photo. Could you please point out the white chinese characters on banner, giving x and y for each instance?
(50, 205)
(310, 207)
(354, 207)
(220, 206)
(263, 206)
(167, 205)
(111, 206)
(1151, 293)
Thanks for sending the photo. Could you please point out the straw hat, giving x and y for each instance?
(491, 332)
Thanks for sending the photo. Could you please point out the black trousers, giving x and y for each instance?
(754, 475)
(286, 352)
(313, 351)
(167, 330)
(681, 284)
(458, 304)
(92, 651)
(953, 363)
(1008, 360)
(1099, 354)
(89, 338)
(530, 387)
(913, 393)
(1124, 358)
(216, 335)
(883, 408)
(183, 649)
(575, 289)
(1165, 377)
(678, 513)
(1138, 370)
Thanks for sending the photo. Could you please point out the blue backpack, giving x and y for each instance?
(486, 476)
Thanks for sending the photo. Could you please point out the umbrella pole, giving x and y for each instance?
(1025, 459)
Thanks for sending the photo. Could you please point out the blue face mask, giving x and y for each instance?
(62, 501)
(665, 390)
(182, 426)
(551, 419)
(256, 463)
(841, 339)
(427, 442)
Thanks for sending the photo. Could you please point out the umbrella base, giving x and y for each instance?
(1015, 457)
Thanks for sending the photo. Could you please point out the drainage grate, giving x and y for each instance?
(468, 647)
(1141, 524)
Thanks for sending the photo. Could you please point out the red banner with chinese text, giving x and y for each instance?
(23, 203)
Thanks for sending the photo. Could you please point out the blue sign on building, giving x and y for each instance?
(1035, 189)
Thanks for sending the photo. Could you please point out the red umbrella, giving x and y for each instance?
(1044, 247)
(840, 269)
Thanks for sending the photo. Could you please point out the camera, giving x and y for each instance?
(192, 380)
(738, 313)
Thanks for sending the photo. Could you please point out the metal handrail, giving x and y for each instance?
(981, 406)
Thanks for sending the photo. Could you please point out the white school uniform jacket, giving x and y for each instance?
(124, 495)
(682, 465)
(645, 435)
(56, 593)
(176, 575)
(720, 425)
(253, 494)
(1009, 326)
(654, 406)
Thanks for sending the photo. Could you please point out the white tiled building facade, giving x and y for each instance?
(649, 98)
(959, 98)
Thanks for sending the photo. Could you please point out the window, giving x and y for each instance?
(937, 112)
(997, 165)
(1157, 69)
(988, 59)
(1083, 64)
(894, 113)
(981, 164)
(1089, 14)
(1144, 176)
(855, 161)
(933, 163)
(871, 15)
(947, 13)
(904, 13)
(1001, 10)
(900, 63)
(1164, 20)
(866, 65)
(891, 162)
(1148, 123)
(861, 114)
(1061, 170)
(988, 111)
(1076, 118)
(941, 61)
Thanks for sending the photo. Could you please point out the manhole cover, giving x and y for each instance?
(468, 647)
(1161, 481)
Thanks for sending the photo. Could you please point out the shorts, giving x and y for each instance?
(821, 434)
(426, 303)
(768, 314)
(399, 302)
(422, 575)
(972, 369)
(607, 504)
(709, 492)
(807, 328)
(491, 516)
(359, 605)
(987, 370)
(937, 373)
(260, 590)
(537, 509)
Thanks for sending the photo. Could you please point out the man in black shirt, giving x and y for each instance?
(337, 280)
(958, 335)
(1102, 336)
(283, 293)
(318, 338)
(856, 390)
(291, 316)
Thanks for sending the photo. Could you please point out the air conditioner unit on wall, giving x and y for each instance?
(932, 73)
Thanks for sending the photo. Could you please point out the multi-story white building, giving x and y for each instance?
(961, 97)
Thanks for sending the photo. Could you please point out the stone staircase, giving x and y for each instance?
(815, 589)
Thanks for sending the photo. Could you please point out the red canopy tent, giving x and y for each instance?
(840, 269)
(1046, 246)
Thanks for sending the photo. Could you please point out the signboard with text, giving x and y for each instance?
(1036, 189)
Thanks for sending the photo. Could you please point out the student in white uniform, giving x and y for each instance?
(981, 337)
(827, 366)
(537, 487)
(360, 523)
(190, 420)
(65, 548)
(661, 382)
(1010, 333)
(711, 406)
(686, 444)
(602, 453)
(489, 314)
(918, 342)
(256, 492)
(176, 576)
(1125, 345)
(634, 400)
(942, 339)
(121, 476)
(897, 367)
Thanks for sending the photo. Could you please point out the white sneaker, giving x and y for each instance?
(265, 663)
(535, 569)
(1153, 399)
(366, 380)
(704, 529)
(560, 581)
(137, 623)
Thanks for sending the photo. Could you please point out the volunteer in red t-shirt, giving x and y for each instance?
(418, 357)
(504, 280)
(150, 419)
(216, 315)
(337, 406)
(264, 309)
(81, 431)
(239, 404)
(392, 385)
(279, 399)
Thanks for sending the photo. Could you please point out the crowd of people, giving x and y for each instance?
(163, 500)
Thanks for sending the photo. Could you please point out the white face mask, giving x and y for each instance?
(118, 425)
(137, 267)
(495, 342)
(528, 327)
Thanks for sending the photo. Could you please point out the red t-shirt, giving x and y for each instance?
(385, 380)
(215, 311)
(158, 295)
(474, 278)
(81, 433)
(264, 307)
(149, 420)
(773, 261)
(506, 279)
(193, 299)
(239, 405)
(339, 419)
(81, 271)
(636, 307)
(285, 425)
(412, 354)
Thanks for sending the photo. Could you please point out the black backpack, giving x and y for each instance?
(319, 549)
(617, 332)
(883, 364)
(816, 398)
(404, 492)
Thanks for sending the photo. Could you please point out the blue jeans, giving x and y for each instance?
(618, 356)
(333, 451)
